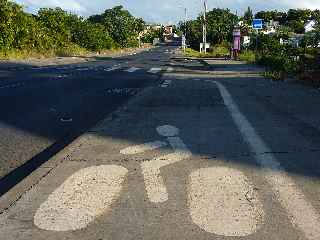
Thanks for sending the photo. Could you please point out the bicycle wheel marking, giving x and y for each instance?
(83, 197)
(223, 201)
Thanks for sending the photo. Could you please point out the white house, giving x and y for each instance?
(309, 26)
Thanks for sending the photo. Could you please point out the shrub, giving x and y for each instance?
(248, 56)
(220, 51)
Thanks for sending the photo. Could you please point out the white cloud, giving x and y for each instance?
(69, 5)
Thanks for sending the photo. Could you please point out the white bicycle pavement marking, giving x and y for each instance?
(83, 197)
(154, 183)
(222, 201)
(143, 148)
(301, 213)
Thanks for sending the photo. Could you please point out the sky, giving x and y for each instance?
(166, 11)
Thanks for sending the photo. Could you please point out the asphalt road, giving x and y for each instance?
(44, 108)
(209, 151)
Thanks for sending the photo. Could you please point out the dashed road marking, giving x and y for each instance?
(132, 69)
(112, 68)
(301, 213)
(170, 69)
(16, 85)
(65, 120)
(83, 69)
(224, 202)
(155, 70)
(82, 198)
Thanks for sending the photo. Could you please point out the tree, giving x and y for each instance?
(248, 16)
(272, 15)
(152, 34)
(220, 24)
(296, 19)
(122, 26)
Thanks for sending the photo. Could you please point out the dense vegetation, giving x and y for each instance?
(275, 51)
(220, 23)
(55, 30)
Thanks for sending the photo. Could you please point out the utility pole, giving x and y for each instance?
(204, 31)
(185, 30)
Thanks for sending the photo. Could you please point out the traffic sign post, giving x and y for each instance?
(257, 24)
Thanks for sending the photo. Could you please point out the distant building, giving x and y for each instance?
(296, 40)
(270, 27)
(168, 33)
(309, 26)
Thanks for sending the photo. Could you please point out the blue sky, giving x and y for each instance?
(165, 11)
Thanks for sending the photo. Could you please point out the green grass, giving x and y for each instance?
(67, 51)
(218, 51)
(248, 56)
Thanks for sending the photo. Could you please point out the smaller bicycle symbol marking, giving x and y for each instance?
(154, 183)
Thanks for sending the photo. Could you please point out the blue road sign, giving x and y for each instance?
(257, 23)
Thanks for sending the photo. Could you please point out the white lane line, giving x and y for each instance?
(82, 198)
(16, 85)
(155, 70)
(132, 69)
(170, 69)
(154, 183)
(82, 69)
(112, 68)
(302, 214)
(143, 148)
(223, 201)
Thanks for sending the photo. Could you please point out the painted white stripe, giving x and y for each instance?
(133, 69)
(82, 198)
(112, 68)
(170, 69)
(83, 69)
(143, 148)
(302, 214)
(12, 85)
(154, 70)
(166, 83)
(154, 183)
(223, 201)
